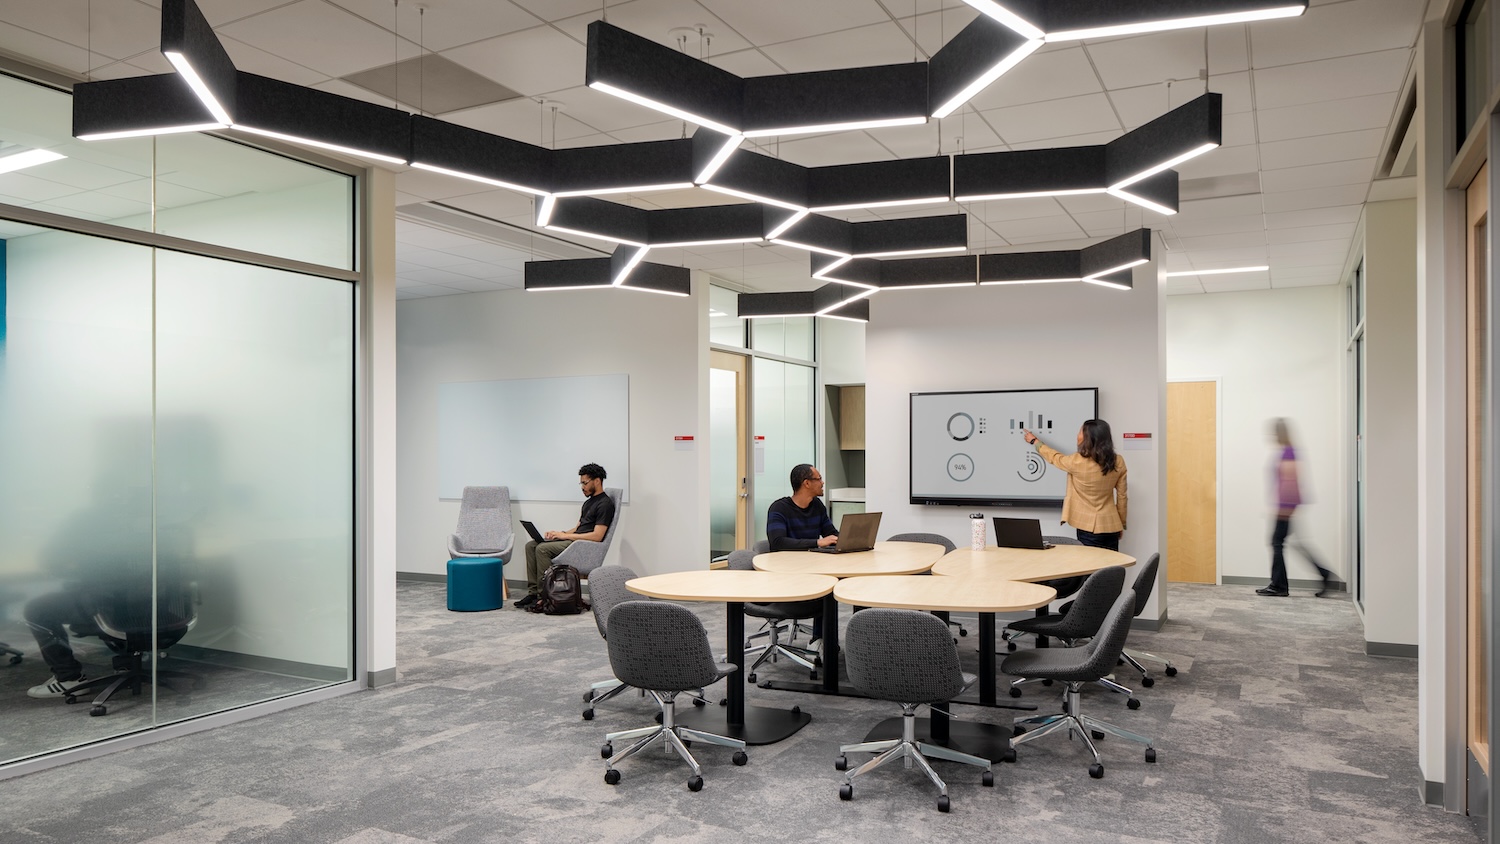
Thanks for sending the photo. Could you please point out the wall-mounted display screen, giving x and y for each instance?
(968, 448)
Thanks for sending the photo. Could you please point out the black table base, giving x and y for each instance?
(760, 724)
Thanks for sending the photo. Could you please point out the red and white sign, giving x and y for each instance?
(1135, 442)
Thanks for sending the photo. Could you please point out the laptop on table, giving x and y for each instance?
(856, 533)
(1019, 533)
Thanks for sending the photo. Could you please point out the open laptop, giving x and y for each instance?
(531, 529)
(856, 533)
(1019, 533)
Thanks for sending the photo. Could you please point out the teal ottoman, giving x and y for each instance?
(474, 584)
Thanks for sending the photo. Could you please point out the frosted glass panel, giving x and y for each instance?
(724, 325)
(790, 337)
(75, 474)
(784, 417)
(724, 489)
(255, 468)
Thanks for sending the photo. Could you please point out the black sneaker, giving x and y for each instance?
(1273, 593)
(525, 602)
(1328, 584)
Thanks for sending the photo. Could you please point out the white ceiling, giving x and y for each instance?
(1307, 103)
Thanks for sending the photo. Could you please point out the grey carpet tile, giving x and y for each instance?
(1278, 728)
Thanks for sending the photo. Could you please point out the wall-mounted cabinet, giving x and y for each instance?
(852, 418)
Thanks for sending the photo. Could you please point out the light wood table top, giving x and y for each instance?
(728, 586)
(950, 594)
(1029, 564)
(887, 558)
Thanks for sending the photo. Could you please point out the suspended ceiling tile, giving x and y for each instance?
(1177, 54)
(1331, 79)
(1103, 223)
(168, 195)
(1088, 202)
(882, 43)
(80, 175)
(255, 60)
(1342, 232)
(1083, 140)
(1357, 172)
(1316, 198)
(354, 92)
(843, 148)
(1044, 75)
(44, 49)
(31, 189)
(430, 185)
(605, 113)
(1229, 206)
(496, 257)
(220, 12)
(472, 285)
(100, 206)
(1316, 248)
(522, 120)
(414, 290)
(1055, 228)
(1344, 146)
(429, 258)
(1224, 161)
(655, 19)
(556, 10)
(116, 30)
(432, 275)
(923, 140)
(746, 63)
(1214, 258)
(663, 130)
(427, 237)
(1235, 240)
(1000, 210)
(1327, 278)
(1058, 118)
(440, 25)
(1345, 214)
(932, 29)
(1337, 29)
(1216, 225)
(535, 61)
(302, 33)
(775, 21)
(1369, 112)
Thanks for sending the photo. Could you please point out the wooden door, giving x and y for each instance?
(729, 460)
(1192, 482)
(1478, 678)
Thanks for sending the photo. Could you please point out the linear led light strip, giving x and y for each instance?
(596, 236)
(630, 265)
(630, 189)
(485, 179)
(731, 144)
(362, 153)
(663, 107)
(200, 88)
(141, 133)
(1216, 272)
(793, 220)
(779, 203)
(29, 158)
(837, 127)
(887, 204)
(1029, 281)
(1142, 201)
(988, 77)
(1174, 23)
(862, 294)
(926, 286)
(1165, 165)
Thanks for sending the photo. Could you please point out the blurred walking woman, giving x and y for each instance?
(1096, 501)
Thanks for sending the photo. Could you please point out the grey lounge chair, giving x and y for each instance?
(484, 527)
(587, 556)
(906, 657)
(1076, 666)
(662, 648)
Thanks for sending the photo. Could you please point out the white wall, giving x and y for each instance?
(1021, 337)
(1278, 353)
(659, 341)
(1390, 612)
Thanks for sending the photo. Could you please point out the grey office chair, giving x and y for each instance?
(935, 539)
(1074, 667)
(587, 556)
(1082, 621)
(778, 617)
(484, 527)
(763, 546)
(1145, 582)
(663, 648)
(607, 589)
(906, 657)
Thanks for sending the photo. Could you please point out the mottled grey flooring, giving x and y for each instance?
(1279, 728)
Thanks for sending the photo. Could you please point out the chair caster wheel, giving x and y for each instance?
(1046, 682)
(943, 803)
(818, 661)
(723, 701)
(1151, 754)
(841, 763)
(588, 696)
(846, 792)
(1009, 755)
(15, 660)
(988, 780)
(1097, 735)
(687, 743)
(612, 777)
(698, 701)
(695, 784)
(97, 710)
(1015, 691)
(1148, 682)
(962, 632)
(812, 675)
(1096, 771)
(658, 717)
(588, 714)
(606, 751)
(1171, 671)
(1132, 704)
(739, 758)
(751, 678)
(1010, 646)
(797, 710)
(71, 699)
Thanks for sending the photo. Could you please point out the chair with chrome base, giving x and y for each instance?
(907, 657)
(606, 589)
(1082, 621)
(780, 620)
(1074, 667)
(932, 539)
(662, 648)
(1145, 582)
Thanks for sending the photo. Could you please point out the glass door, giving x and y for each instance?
(1477, 420)
(728, 442)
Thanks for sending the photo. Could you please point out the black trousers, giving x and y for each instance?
(1100, 540)
(46, 615)
(1279, 536)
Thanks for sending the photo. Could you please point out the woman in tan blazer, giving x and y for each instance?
(1096, 502)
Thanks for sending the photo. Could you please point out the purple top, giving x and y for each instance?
(1287, 494)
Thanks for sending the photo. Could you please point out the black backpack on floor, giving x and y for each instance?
(562, 592)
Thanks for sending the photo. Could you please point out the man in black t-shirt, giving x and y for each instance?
(597, 515)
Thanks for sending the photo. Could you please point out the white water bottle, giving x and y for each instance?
(976, 531)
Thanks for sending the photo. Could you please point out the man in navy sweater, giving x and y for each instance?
(800, 521)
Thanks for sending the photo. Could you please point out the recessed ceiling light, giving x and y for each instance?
(1217, 272)
(30, 158)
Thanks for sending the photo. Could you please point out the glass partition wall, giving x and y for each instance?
(177, 429)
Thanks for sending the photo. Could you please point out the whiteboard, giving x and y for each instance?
(968, 448)
(532, 434)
